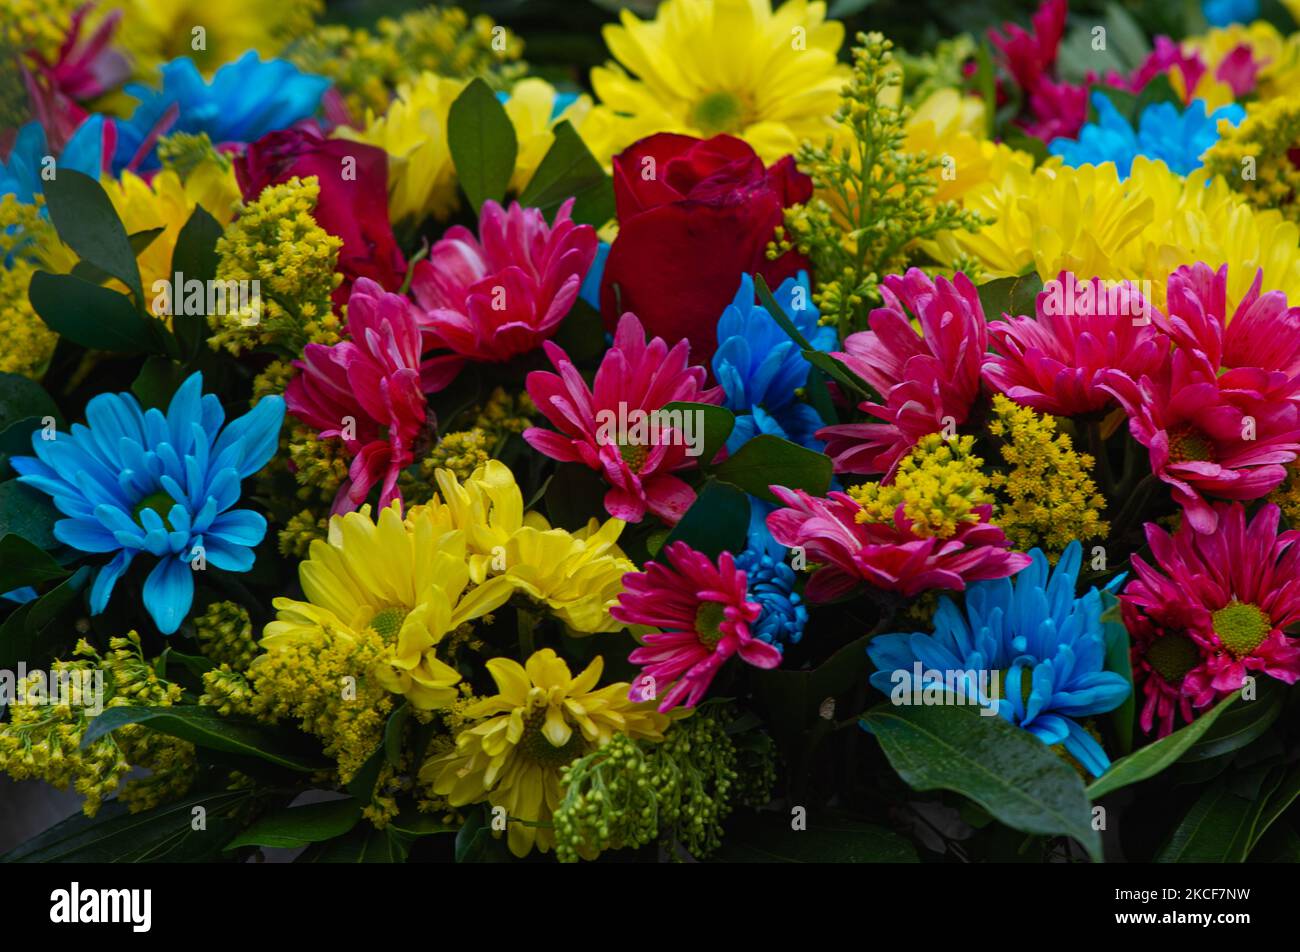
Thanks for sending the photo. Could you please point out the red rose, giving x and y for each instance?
(353, 202)
(690, 224)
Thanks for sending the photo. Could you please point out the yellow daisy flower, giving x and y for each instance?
(405, 580)
(704, 67)
(951, 126)
(541, 719)
(577, 575)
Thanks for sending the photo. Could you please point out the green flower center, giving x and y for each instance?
(1172, 656)
(708, 622)
(1190, 445)
(537, 748)
(160, 502)
(1241, 626)
(388, 623)
(719, 112)
(634, 454)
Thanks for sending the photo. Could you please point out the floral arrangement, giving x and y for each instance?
(768, 443)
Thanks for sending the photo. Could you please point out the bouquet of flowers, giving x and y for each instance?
(767, 443)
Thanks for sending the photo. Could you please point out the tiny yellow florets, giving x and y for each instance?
(1254, 157)
(938, 484)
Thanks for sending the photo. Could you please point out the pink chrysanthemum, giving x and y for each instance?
(1029, 54)
(924, 379)
(598, 427)
(1211, 611)
(501, 294)
(1205, 441)
(1054, 360)
(1256, 350)
(888, 556)
(366, 391)
(704, 619)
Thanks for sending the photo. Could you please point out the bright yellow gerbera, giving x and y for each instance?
(703, 67)
(404, 579)
(951, 127)
(167, 202)
(1088, 221)
(541, 719)
(577, 575)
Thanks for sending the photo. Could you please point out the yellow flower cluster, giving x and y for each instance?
(1255, 156)
(225, 634)
(1088, 221)
(37, 26)
(27, 241)
(463, 451)
(162, 30)
(276, 242)
(1287, 497)
(42, 737)
(1048, 494)
(541, 719)
(367, 66)
(938, 484)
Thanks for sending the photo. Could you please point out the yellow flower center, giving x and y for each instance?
(1188, 445)
(537, 748)
(1173, 656)
(1241, 626)
(708, 622)
(720, 112)
(388, 623)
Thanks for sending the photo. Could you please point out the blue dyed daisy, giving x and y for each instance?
(1178, 139)
(771, 583)
(141, 482)
(1040, 651)
(21, 174)
(245, 100)
(1228, 12)
(759, 367)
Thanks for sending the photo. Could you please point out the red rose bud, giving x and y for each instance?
(693, 216)
(353, 203)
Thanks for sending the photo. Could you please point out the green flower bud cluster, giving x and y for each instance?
(630, 793)
(225, 635)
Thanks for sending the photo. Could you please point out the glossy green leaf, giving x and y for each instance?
(89, 315)
(768, 460)
(293, 827)
(482, 141)
(569, 170)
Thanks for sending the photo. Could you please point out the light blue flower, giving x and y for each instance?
(590, 290)
(1179, 139)
(141, 482)
(771, 583)
(21, 174)
(1228, 12)
(244, 101)
(1043, 648)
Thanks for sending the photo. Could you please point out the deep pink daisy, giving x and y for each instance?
(703, 617)
(1256, 349)
(1212, 611)
(501, 293)
(1054, 360)
(366, 391)
(598, 426)
(888, 556)
(1205, 441)
(926, 379)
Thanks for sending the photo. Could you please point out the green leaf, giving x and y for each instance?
(768, 459)
(1007, 771)
(1278, 803)
(819, 359)
(393, 734)
(88, 224)
(1145, 763)
(1220, 827)
(203, 727)
(22, 399)
(22, 563)
(569, 170)
(482, 142)
(29, 633)
(1241, 725)
(791, 699)
(475, 843)
(768, 838)
(158, 381)
(1014, 295)
(29, 513)
(414, 823)
(1125, 37)
(582, 334)
(1118, 659)
(364, 844)
(115, 835)
(195, 256)
(292, 827)
(717, 522)
(89, 315)
(717, 423)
